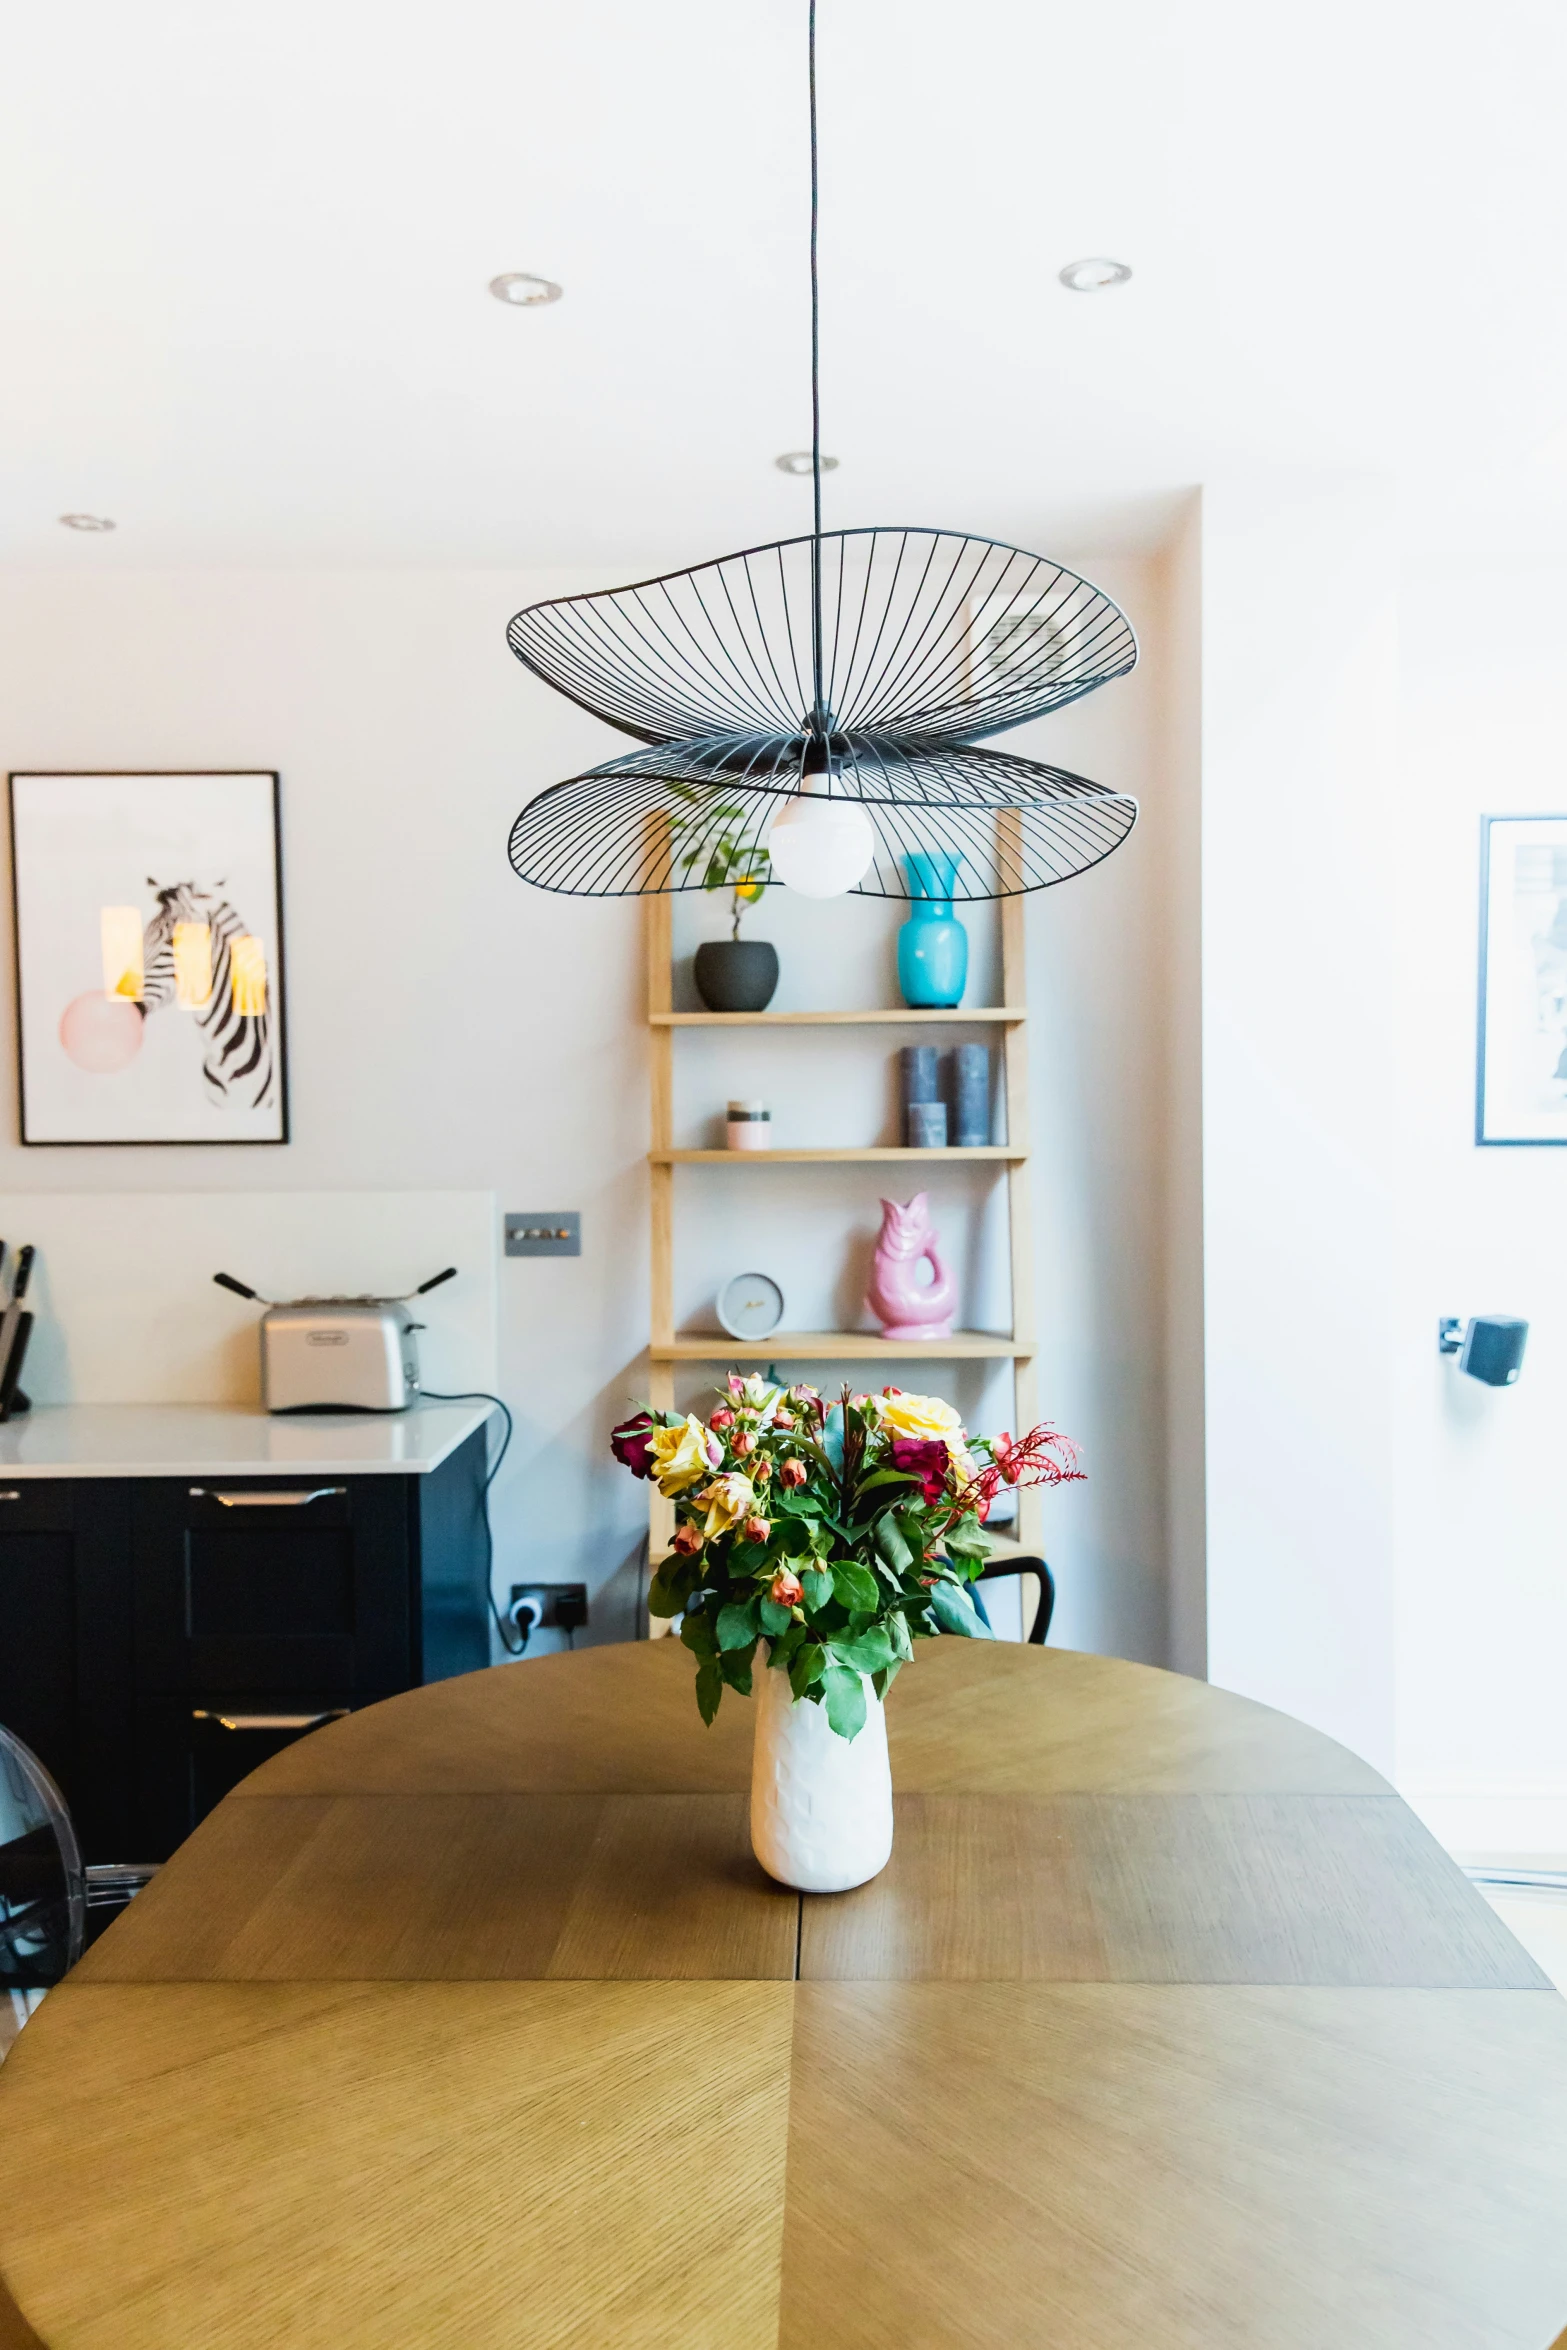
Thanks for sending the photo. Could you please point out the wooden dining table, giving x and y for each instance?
(471, 2021)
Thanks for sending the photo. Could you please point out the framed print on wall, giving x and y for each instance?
(1521, 1084)
(149, 958)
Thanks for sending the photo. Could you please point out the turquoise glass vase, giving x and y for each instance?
(933, 944)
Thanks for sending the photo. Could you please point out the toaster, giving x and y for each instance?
(338, 1354)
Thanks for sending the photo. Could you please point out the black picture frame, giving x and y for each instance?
(1483, 1139)
(278, 1009)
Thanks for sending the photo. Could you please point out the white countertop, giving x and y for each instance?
(225, 1440)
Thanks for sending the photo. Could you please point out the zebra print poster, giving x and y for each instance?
(149, 958)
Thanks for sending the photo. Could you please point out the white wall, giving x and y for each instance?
(1482, 1588)
(451, 1029)
(1299, 679)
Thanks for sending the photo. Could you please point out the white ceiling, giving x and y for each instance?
(244, 254)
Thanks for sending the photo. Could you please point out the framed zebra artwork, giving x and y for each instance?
(149, 958)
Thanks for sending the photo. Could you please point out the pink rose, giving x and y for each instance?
(722, 1418)
(787, 1590)
(742, 1443)
(793, 1472)
(687, 1541)
(756, 1529)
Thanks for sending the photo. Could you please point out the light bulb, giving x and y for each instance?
(820, 846)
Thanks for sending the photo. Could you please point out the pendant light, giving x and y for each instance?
(809, 710)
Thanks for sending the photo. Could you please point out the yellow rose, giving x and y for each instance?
(680, 1456)
(921, 1415)
(728, 1499)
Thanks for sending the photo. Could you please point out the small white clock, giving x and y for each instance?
(751, 1305)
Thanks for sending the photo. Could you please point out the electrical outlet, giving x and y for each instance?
(563, 1607)
(545, 1232)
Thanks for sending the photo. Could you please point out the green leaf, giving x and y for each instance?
(808, 1664)
(775, 1616)
(844, 1696)
(818, 1587)
(866, 1651)
(697, 1633)
(968, 1540)
(902, 1645)
(954, 1612)
(737, 1624)
(661, 1600)
(787, 1646)
(884, 1477)
(709, 1688)
(891, 1543)
(856, 1587)
(736, 1669)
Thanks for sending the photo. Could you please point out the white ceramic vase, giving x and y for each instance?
(821, 1805)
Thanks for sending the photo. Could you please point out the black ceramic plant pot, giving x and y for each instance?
(736, 974)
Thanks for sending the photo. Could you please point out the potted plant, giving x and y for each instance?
(732, 974)
(820, 1542)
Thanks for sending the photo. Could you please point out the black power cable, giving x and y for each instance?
(482, 1395)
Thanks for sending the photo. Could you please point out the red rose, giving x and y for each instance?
(793, 1472)
(924, 1457)
(787, 1590)
(630, 1444)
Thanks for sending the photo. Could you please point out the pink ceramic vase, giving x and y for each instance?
(905, 1307)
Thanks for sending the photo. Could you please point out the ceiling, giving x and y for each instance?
(244, 259)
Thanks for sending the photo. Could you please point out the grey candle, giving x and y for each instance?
(927, 1126)
(920, 1074)
(971, 1094)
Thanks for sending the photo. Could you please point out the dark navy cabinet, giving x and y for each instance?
(161, 1636)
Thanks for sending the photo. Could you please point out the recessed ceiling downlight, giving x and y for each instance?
(523, 290)
(86, 522)
(1092, 277)
(799, 461)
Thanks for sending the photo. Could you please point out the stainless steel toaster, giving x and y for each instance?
(338, 1354)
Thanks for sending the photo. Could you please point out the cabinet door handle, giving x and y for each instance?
(13, 1495)
(333, 1713)
(265, 1501)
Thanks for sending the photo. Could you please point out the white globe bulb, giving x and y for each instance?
(820, 846)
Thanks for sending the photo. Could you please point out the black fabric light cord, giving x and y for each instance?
(481, 1395)
(819, 712)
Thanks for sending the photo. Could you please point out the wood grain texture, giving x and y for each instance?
(967, 1717)
(459, 1888)
(1103, 2167)
(1165, 1889)
(871, 1154)
(397, 2050)
(616, 1720)
(887, 1016)
(456, 2166)
(839, 1346)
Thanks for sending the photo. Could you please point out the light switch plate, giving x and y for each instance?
(544, 1232)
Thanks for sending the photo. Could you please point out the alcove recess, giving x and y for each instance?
(887, 1361)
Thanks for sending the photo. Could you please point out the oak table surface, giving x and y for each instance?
(470, 2021)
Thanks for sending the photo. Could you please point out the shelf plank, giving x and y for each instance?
(1008, 1015)
(840, 1346)
(995, 1151)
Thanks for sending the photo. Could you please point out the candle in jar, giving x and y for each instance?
(749, 1126)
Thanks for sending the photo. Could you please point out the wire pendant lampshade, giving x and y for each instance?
(834, 685)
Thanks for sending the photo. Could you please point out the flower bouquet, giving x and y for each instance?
(835, 1535)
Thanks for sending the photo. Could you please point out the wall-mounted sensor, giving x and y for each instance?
(1490, 1348)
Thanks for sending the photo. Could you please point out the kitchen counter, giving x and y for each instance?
(222, 1440)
